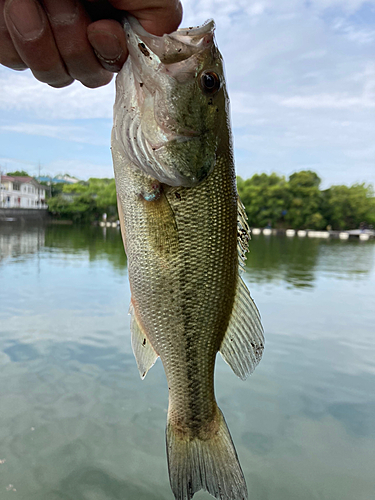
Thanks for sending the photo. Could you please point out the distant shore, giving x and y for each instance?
(363, 235)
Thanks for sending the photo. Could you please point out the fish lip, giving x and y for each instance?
(189, 40)
(204, 29)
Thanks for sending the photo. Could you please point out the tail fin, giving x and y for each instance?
(212, 465)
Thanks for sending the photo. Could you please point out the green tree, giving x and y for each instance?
(347, 207)
(85, 201)
(105, 190)
(18, 173)
(54, 188)
(305, 201)
(266, 198)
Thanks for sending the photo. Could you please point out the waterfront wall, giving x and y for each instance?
(363, 235)
(23, 215)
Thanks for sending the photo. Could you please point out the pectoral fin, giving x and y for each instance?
(144, 353)
(243, 344)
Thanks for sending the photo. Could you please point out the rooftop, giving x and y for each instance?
(21, 180)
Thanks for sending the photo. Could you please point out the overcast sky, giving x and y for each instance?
(301, 78)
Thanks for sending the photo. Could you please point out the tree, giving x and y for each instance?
(85, 201)
(265, 197)
(268, 199)
(18, 173)
(347, 207)
(305, 201)
(105, 190)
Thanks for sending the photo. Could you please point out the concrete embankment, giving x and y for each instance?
(23, 215)
(363, 235)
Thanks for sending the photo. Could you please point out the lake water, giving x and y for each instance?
(77, 423)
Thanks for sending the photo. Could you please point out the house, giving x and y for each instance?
(59, 179)
(21, 192)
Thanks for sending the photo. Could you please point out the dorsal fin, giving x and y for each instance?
(243, 234)
(144, 353)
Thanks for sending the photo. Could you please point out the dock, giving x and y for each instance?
(361, 234)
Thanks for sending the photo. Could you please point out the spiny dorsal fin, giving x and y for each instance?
(144, 353)
(243, 344)
(243, 234)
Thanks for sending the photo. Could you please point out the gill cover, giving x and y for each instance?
(168, 97)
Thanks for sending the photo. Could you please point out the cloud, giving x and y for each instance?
(328, 101)
(359, 34)
(81, 169)
(11, 164)
(313, 54)
(21, 92)
(70, 132)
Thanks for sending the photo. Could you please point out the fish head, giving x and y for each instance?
(172, 90)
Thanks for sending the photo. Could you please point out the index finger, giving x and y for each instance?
(8, 55)
(156, 16)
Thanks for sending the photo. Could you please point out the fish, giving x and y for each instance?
(185, 234)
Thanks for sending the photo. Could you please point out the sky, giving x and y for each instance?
(301, 81)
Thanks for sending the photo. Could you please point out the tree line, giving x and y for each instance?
(299, 203)
(296, 202)
(85, 201)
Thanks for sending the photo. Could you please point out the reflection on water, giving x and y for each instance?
(99, 243)
(297, 260)
(16, 243)
(77, 423)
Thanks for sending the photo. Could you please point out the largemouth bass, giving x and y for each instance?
(185, 235)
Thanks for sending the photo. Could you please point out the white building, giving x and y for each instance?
(21, 192)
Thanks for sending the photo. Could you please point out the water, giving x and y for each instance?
(77, 423)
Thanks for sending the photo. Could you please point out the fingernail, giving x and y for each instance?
(106, 45)
(26, 18)
(62, 12)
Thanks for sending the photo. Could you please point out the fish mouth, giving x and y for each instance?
(174, 47)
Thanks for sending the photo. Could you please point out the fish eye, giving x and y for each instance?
(210, 82)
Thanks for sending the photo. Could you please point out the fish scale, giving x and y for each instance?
(191, 275)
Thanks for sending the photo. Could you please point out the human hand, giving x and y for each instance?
(66, 40)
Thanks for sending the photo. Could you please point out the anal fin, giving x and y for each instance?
(144, 353)
(243, 344)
